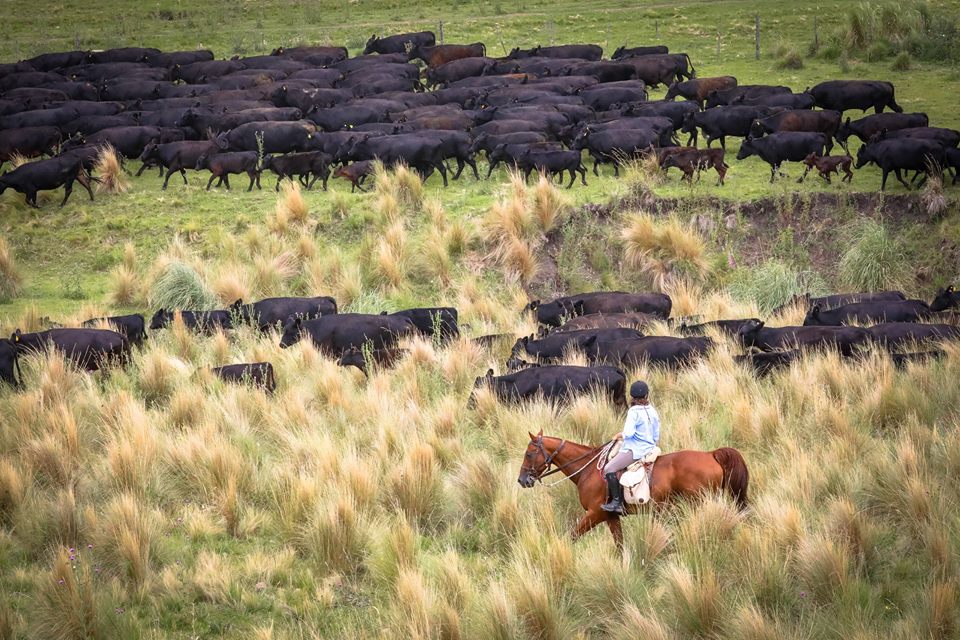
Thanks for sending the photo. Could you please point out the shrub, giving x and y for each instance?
(902, 62)
(179, 286)
(773, 284)
(873, 260)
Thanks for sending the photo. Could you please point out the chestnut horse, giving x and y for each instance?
(683, 473)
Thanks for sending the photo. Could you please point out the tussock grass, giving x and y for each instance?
(549, 205)
(773, 283)
(874, 259)
(11, 281)
(291, 206)
(179, 286)
(109, 172)
(124, 286)
(663, 249)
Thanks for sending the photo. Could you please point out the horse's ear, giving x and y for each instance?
(540, 433)
(532, 437)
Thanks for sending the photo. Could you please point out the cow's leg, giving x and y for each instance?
(473, 165)
(773, 172)
(490, 165)
(210, 181)
(573, 177)
(848, 177)
(183, 174)
(67, 190)
(277, 187)
(804, 176)
(166, 180)
(899, 175)
(883, 181)
(31, 197)
(141, 170)
(85, 183)
(583, 174)
(722, 173)
(442, 168)
(253, 179)
(616, 168)
(460, 166)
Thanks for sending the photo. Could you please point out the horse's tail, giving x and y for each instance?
(735, 474)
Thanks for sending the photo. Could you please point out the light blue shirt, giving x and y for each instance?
(641, 430)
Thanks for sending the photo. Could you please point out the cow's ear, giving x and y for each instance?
(525, 340)
(848, 121)
(578, 307)
(383, 313)
(815, 309)
(237, 303)
(16, 335)
(298, 321)
(951, 289)
(489, 373)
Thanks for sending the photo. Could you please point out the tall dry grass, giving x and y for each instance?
(11, 280)
(664, 250)
(108, 169)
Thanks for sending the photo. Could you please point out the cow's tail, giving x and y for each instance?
(893, 102)
(735, 474)
(483, 49)
(693, 72)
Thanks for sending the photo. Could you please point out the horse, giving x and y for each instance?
(681, 473)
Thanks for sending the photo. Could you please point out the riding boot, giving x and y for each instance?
(615, 490)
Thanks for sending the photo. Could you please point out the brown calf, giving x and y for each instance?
(825, 165)
(356, 173)
(692, 159)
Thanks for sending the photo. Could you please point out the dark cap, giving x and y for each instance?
(639, 389)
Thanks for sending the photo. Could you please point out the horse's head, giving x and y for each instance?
(535, 461)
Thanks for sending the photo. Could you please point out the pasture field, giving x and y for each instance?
(154, 501)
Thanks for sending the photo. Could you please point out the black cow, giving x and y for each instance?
(552, 313)
(728, 327)
(835, 300)
(400, 43)
(947, 137)
(300, 165)
(744, 94)
(175, 156)
(89, 349)
(28, 142)
(897, 334)
(129, 142)
(844, 339)
(867, 127)
(335, 334)
(763, 364)
(867, 312)
(901, 360)
(782, 100)
(44, 175)
(132, 326)
(778, 148)
(556, 345)
(720, 122)
(629, 52)
(662, 69)
(677, 112)
(630, 319)
(267, 137)
(905, 154)
(433, 322)
(946, 298)
(556, 383)
(648, 350)
(203, 321)
(9, 363)
(616, 145)
(841, 95)
(258, 374)
(554, 163)
(270, 312)
(581, 51)
(826, 122)
(221, 165)
(421, 152)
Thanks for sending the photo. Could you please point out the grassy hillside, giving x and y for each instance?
(156, 502)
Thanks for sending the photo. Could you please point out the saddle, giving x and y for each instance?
(635, 479)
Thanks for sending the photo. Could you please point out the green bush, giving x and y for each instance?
(902, 62)
(874, 258)
(791, 59)
(880, 50)
(774, 283)
(180, 287)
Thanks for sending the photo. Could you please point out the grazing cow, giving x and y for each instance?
(841, 95)
(777, 148)
(825, 122)
(867, 312)
(270, 312)
(720, 122)
(8, 363)
(947, 298)
(203, 321)
(648, 350)
(437, 55)
(553, 313)
(356, 173)
(44, 175)
(386, 357)
(698, 89)
(743, 94)
(556, 345)
(89, 349)
(905, 154)
(867, 127)
(132, 326)
(399, 43)
(433, 322)
(632, 52)
(825, 165)
(221, 165)
(763, 364)
(335, 334)
(844, 339)
(727, 327)
(629, 320)
(557, 383)
(28, 142)
(256, 374)
(897, 334)
(300, 165)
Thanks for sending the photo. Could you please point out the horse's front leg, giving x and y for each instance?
(616, 530)
(589, 520)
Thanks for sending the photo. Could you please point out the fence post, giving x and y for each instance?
(656, 28)
(757, 22)
(816, 35)
(441, 32)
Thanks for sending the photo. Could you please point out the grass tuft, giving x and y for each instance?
(874, 258)
(11, 282)
(109, 171)
(179, 286)
(665, 250)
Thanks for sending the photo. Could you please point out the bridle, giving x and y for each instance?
(548, 460)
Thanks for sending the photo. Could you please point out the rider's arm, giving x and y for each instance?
(630, 424)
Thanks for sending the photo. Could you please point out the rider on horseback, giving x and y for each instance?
(641, 433)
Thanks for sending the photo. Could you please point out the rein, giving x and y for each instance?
(547, 471)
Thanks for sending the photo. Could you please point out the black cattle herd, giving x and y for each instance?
(306, 112)
(609, 328)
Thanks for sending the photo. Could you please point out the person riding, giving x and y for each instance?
(641, 433)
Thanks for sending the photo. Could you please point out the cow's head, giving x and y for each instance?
(946, 299)
(291, 333)
(748, 330)
(813, 316)
(619, 51)
(371, 43)
(747, 148)
(160, 319)
(353, 357)
(864, 155)
(672, 91)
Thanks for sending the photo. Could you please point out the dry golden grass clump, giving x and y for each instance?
(663, 249)
(11, 281)
(291, 207)
(109, 171)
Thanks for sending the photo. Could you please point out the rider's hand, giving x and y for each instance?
(619, 436)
